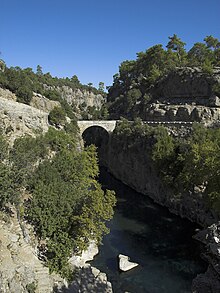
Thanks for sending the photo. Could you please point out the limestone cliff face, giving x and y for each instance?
(22, 271)
(186, 85)
(134, 167)
(6, 94)
(17, 119)
(79, 97)
(187, 112)
(20, 268)
(42, 103)
(185, 94)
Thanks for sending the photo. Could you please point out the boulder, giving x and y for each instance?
(87, 255)
(125, 264)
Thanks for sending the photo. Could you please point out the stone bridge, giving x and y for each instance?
(109, 125)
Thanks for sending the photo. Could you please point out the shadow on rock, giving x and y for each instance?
(87, 279)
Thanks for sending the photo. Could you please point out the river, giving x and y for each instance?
(150, 235)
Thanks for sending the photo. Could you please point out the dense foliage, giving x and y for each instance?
(57, 191)
(132, 86)
(183, 164)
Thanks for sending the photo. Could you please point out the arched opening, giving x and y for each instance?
(98, 136)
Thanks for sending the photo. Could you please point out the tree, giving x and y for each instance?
(57, 116)
(24, 94)
(68, 207)
(198, 54)
(212, 42)
(175, 44)
(90, 84)
(101, 86)
(39, 70)
(2, 65)
(74, 79)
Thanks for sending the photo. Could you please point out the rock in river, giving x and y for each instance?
(125, 264)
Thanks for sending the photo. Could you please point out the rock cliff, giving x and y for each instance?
(17, 119)
(188, 113)
(185, 94)
(186, 85)
(79, 97)
(134, 167)
(40, 102)
(20, 269)
(137, 170)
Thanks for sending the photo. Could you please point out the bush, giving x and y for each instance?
(57, 117)
(24, 95)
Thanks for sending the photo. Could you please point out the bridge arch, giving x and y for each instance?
(108, 125)
(96, 135)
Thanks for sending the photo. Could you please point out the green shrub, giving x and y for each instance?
(57, 116)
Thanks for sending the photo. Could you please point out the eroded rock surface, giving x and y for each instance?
(187, 113)
(79, 97)
(42, 103)
(187, 85)
(17, 119)
(20, 268)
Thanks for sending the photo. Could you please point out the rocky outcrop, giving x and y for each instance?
(185, 94)
(186, 85)
(17, 119)
(77, 97)
(42, 103)
(210, 280)
(88, 278)
(87, 255)
(20, 269)
(189, 113)
(6, 94)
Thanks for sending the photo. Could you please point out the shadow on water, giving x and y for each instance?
(149, 234)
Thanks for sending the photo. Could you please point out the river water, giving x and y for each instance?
(150, 235)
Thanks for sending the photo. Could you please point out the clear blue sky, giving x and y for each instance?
(90, 38)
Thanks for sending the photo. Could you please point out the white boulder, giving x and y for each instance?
(125, 264)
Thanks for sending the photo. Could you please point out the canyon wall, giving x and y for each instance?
(134, 166)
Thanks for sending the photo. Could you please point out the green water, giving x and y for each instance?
(150, 235)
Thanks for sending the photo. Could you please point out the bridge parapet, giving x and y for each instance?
(109, 125)
(169, 123)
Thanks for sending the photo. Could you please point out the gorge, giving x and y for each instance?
(129, 160)
(157, 132)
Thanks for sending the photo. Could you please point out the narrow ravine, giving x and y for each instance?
(149, 234)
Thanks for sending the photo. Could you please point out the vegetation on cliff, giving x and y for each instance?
(184, 164)
(23, 82)
(132, 86)
(55, 189)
